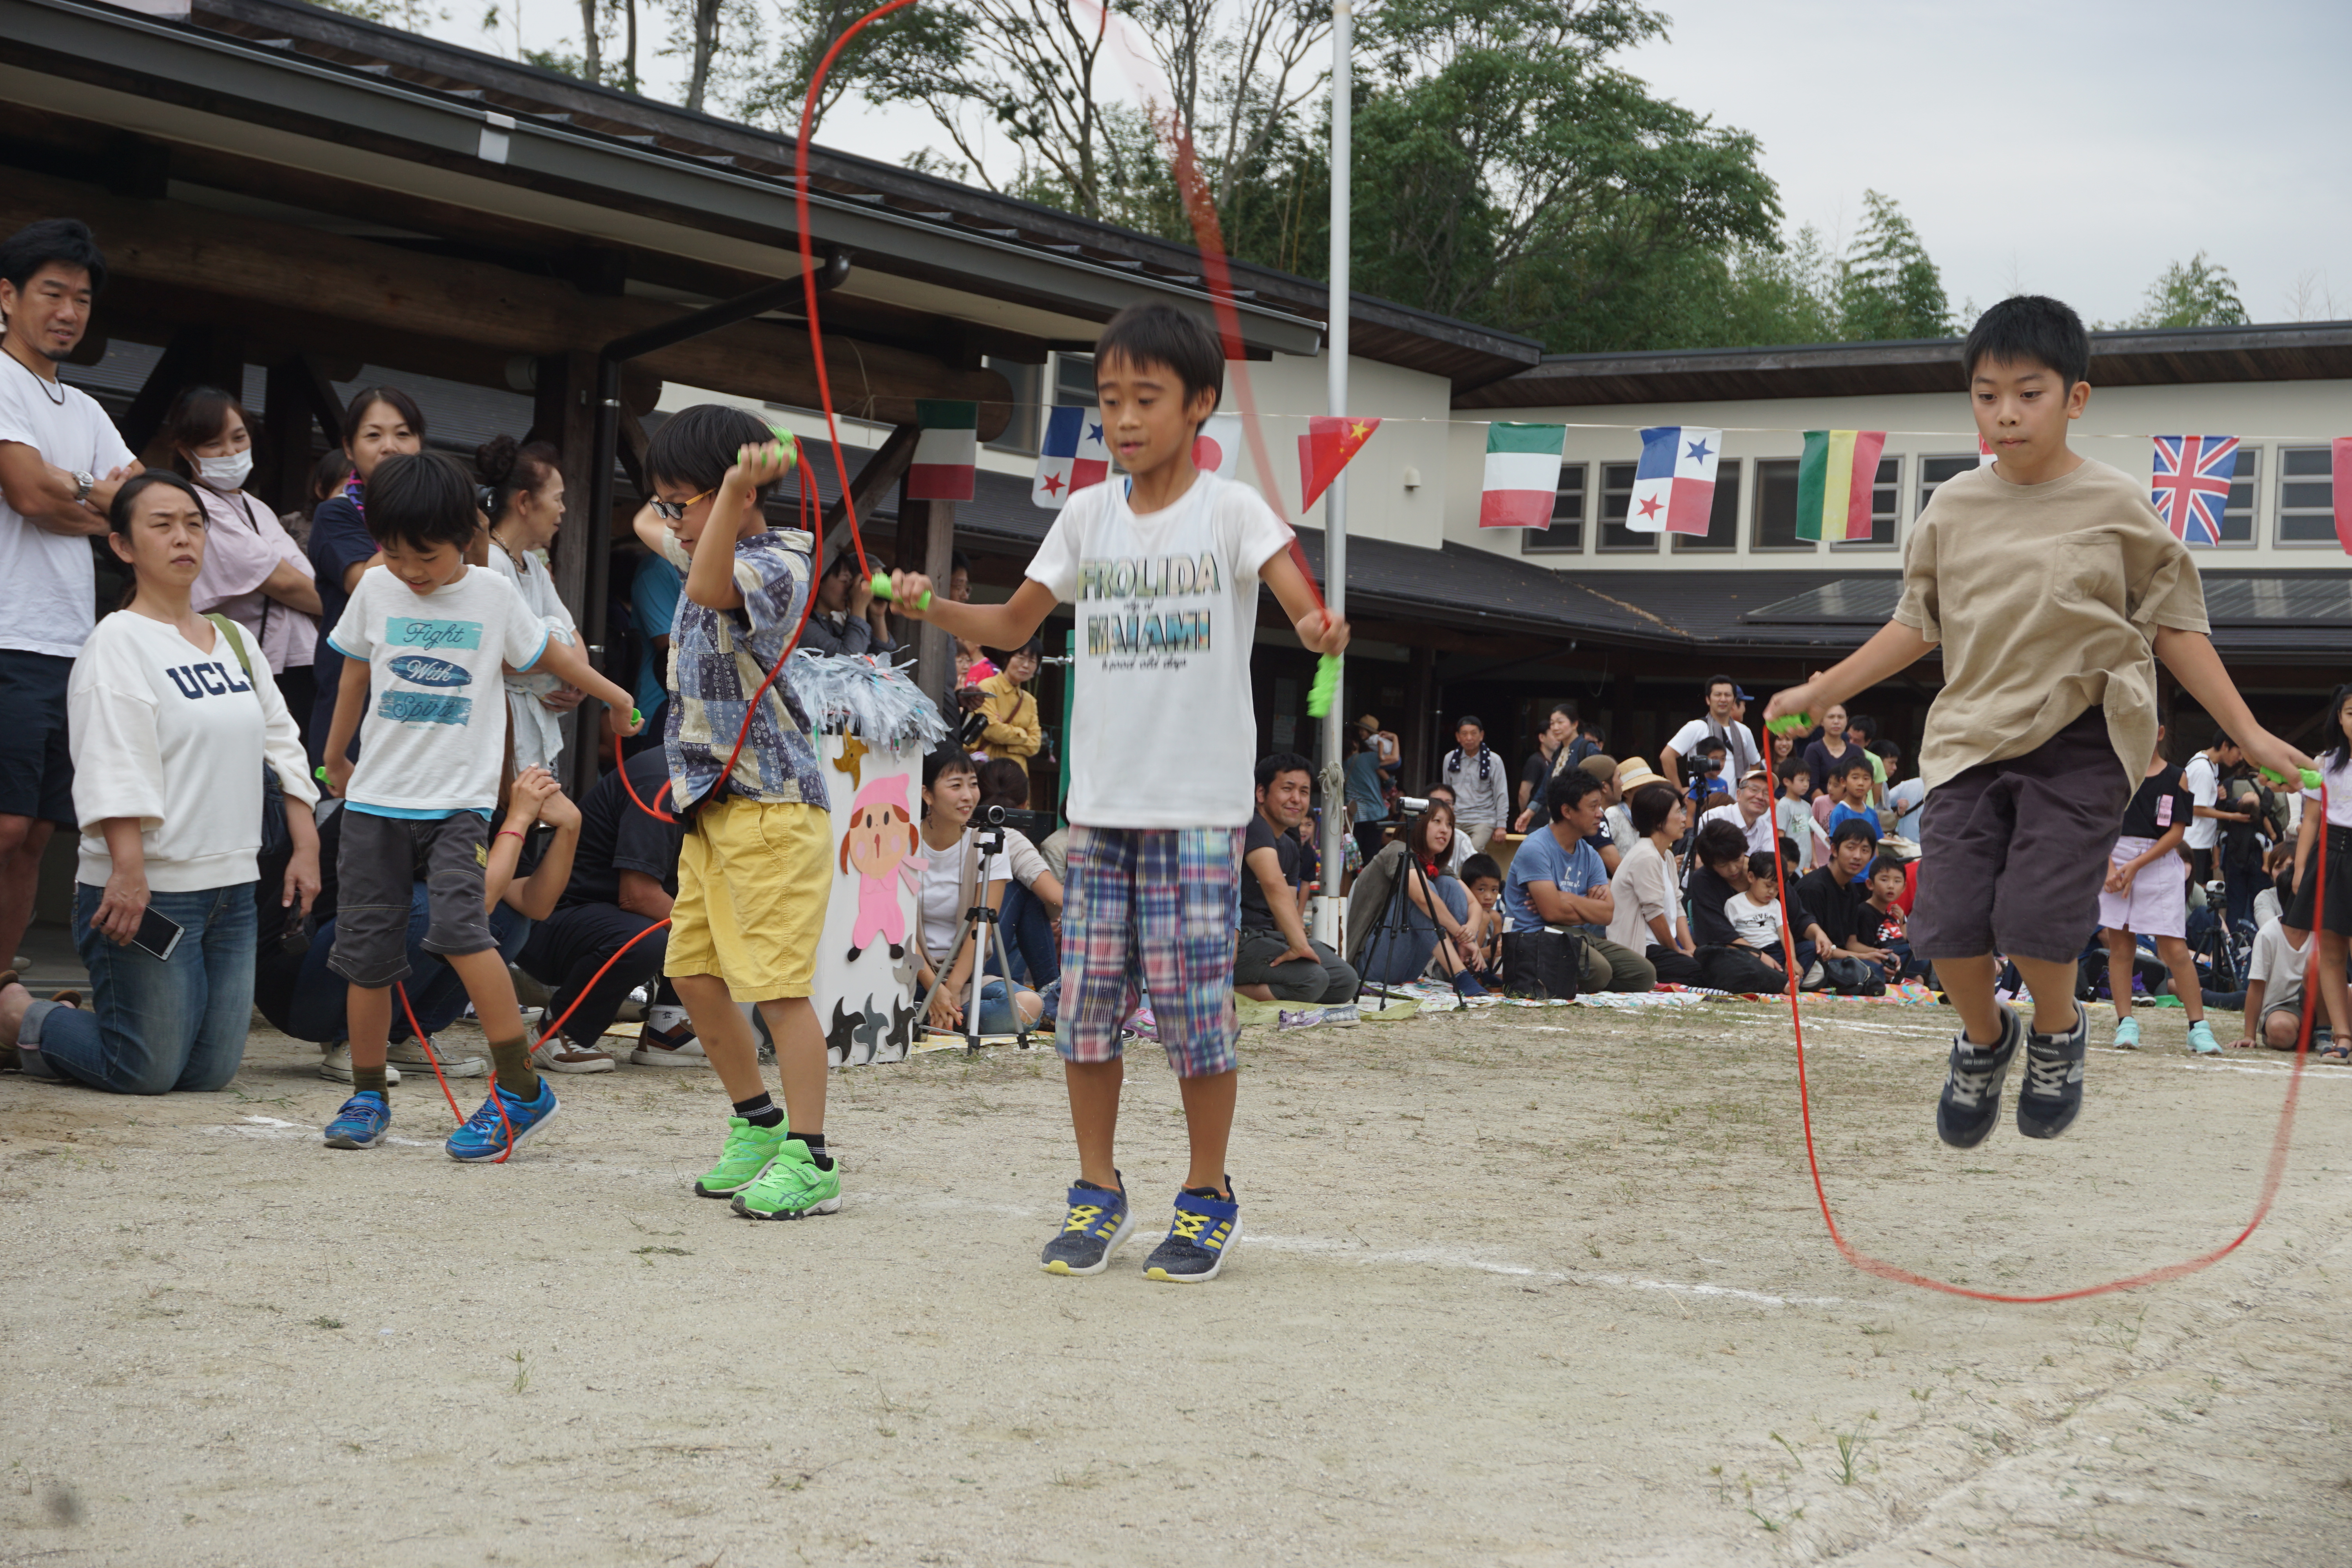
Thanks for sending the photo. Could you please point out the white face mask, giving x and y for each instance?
(227, 473)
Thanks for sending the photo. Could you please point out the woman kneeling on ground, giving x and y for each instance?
(1441, 924)
(954, 879)
(174, 716)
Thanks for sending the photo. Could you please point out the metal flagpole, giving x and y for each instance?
(1335, 499)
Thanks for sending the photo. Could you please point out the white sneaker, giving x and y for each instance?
(672, 1047)
(557, 1054)
(337, 1066)
(408, 1053)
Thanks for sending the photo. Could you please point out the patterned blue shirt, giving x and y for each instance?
(721, 656)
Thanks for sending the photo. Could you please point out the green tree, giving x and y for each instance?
(2198, 292)
(1886, 286)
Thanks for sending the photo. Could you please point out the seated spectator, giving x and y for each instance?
(654, 594)
(1032, 913)
(1830, 750)
(1012, 728)
(1484, 878)
(302, 998)
(1905, 798)
(973, 663)
(1383, 744)
(1458, 850)
(1731, 903)
(1850, 801)
(1605, 840)
(1631, 774)
(1441, 925)
(846, 618)
(1863, 731)
(2275, 976)
(1884, 924)
(1557, 880)
(1830, 903)
(1793, 820)
(172, 720)
(1648, 914)
(954, 882)
(624, 881)
(1481, 782)
(1274, 960)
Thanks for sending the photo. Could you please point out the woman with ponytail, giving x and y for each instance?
(523, 498)
(253, 573)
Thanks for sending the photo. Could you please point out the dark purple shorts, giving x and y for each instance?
(2012, 854)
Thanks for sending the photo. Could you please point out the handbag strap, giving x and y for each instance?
(235, 636)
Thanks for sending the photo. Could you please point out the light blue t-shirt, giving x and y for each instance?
(1543, 858)
(653, 606)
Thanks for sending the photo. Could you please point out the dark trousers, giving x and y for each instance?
(2241, 880)
(317, 1008)
(1029, 940)
(567, 948)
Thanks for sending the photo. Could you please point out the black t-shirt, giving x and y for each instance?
(2161, 804)
(1836, 910)
(339, 541)
(1535, 772)
(1710, 926)
(616, 836)
(1256, 914)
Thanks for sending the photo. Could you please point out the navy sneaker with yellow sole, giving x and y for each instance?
(1198, 1239)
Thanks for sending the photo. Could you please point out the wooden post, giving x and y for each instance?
(284, 474)
(1421, 711)
(927, 543)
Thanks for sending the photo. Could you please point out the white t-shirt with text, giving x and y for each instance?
(435, 734)
(1162, 726)
(52, 588)
(1758, 925)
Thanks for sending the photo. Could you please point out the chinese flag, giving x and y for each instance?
(1330, 443)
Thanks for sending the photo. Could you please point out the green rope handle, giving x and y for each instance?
(1791, 724)
(881, 587)
(1326, 689)
(2310, 777)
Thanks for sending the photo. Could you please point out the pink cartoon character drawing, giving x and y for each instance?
(882, 842)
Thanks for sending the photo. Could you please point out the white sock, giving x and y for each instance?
(665, 1018)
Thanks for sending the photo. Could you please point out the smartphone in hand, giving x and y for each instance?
(157, 934)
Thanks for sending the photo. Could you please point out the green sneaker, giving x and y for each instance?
(2201, 1040)
(792, 1187)
(750, 1151)
(2127, 1034)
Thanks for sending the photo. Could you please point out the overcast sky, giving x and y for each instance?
(2071, 147)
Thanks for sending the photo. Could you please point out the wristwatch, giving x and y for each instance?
(83, 484)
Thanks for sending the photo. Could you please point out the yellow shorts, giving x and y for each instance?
(752, 880)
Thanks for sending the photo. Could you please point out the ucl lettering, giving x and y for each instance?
(198, 682)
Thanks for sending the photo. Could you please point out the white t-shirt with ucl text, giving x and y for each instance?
(52, 589)
(1162, 728)
(435, 730)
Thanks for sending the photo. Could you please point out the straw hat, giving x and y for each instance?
(1600, 767)
(1633, 772)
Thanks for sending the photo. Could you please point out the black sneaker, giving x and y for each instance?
(2052, 1095)
(1971, 1100)
(1099, 1222)
(1197, 1240)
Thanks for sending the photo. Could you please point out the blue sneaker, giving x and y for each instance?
(2052, 1095)
(484, 1136)
(1197, 1241)
(1097, 1224)
(361, 1123)
(1970, 1104)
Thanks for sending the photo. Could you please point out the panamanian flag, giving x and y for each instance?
(1071, 456)
(2191, 484)
(1673, 487)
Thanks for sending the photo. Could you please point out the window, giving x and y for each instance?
(2238, 516)
(1616, 501)
(2307, 497)
(1020, 433)
(1775, 527)
(1933, 471)
(1074, 381)
(1723, 520)
(1566, 534)
(1886, 508)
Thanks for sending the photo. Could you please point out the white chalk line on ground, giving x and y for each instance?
(271, 1128)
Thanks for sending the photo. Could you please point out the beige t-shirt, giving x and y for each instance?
(2046, 599)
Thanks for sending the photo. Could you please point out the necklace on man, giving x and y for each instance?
(55, 394)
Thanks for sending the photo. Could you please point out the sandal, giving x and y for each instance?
(66, 998)
(2332, 1052)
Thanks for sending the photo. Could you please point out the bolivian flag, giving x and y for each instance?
(947, 452)
(1833, 484)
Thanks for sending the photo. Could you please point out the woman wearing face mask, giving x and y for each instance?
(379, 421)
(170, 739)
(524, 501)
(253, 573)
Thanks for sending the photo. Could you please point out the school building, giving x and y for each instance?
(298, 203)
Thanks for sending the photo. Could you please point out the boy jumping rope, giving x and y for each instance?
(1164, 569)
(428, 633)
(2048, 714)
(755, 869)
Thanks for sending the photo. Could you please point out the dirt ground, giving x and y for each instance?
(1539, 1286)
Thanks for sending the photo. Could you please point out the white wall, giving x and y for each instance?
(1414, 445)
(2113, 429)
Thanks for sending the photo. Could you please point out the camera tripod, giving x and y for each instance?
(977, 919)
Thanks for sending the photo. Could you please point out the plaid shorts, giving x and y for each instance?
(1157, 907)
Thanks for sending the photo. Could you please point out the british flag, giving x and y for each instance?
(2191, 486)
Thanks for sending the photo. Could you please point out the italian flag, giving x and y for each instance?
(947, 453)
(1522, 475)
(1833, 484)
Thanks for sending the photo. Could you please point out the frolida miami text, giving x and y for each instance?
(1149, 577)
